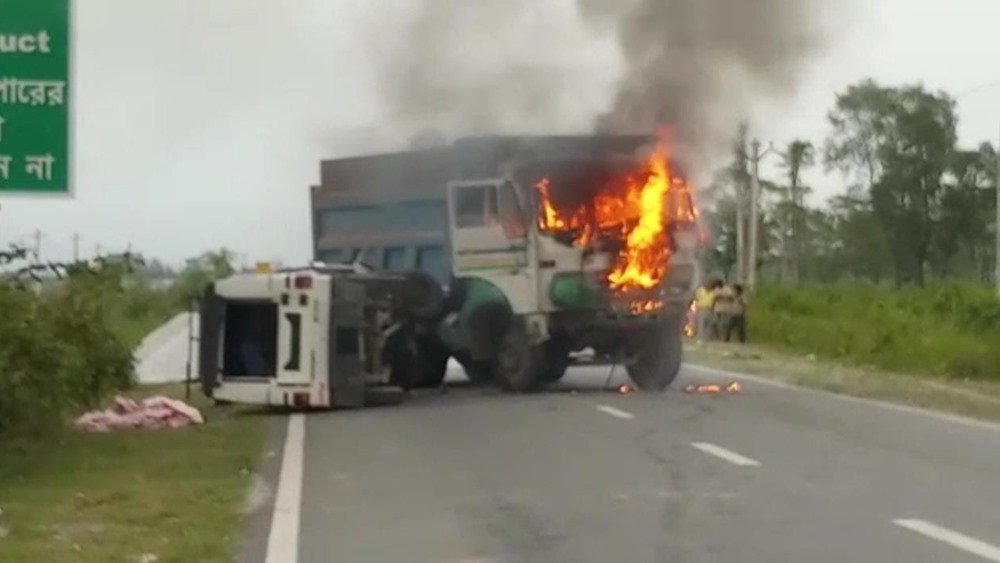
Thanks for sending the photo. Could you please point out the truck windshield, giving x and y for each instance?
(610, 201)
(582, 206)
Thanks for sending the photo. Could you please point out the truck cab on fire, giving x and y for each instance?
(561, 255)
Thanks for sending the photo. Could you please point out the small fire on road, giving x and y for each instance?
(690, 321)
(714, 388)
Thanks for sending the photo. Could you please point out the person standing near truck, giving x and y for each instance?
(722, 311)
(704, 302)
(730, 310)
(736, 316)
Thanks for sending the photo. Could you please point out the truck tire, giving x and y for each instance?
(479, 372)
(556, 369)
(660, 360)
(423, 298)
(402, 355)
(521, 367)
(432, 363)
(558, 360)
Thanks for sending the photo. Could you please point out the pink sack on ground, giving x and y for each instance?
(154, 412)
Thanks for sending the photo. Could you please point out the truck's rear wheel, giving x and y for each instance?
(659, 361)
(522, 367)
(402, 355)
(432, 363)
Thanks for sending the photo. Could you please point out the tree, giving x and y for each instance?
(964, 242)
(201, 270)
(899, 141)
(798, 156)
(860, 124)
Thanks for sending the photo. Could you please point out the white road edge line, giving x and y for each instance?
(723, 453)
(952, 538)
(617, 413)
(283, 539)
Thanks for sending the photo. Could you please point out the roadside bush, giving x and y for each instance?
(68, 346)
(945, 329)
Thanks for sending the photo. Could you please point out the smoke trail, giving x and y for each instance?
(700, 65)
(500, 66)
(492, 66)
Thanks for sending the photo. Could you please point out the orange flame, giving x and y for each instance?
(690, 321)
(640, 212)
(643, 262)
(714, 388)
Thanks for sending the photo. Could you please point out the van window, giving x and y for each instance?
(250, 345)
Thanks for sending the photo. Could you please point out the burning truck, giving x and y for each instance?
(547, 246)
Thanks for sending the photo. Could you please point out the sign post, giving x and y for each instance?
(35, 83)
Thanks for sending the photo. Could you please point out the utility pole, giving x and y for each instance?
(38, 245)
(76, 247)
(996, 254)
(741, 244)
(742, 177)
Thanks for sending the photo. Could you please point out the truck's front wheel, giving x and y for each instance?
(432, 362)
(520, 366)
(659, 360)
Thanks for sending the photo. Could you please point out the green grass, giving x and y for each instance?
(943, 330)
(102, 498)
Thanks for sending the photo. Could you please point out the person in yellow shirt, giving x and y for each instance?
(704, 302)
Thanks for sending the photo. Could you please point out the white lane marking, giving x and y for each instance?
(617, 413)
(952, 538)
(283, 540)
(723, 453)
(943, 416)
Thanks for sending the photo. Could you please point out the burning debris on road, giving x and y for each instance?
(714, 388)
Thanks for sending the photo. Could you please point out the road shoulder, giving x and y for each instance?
(974, 399)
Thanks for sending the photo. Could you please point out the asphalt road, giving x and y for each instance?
(162, 356)
(582, 474)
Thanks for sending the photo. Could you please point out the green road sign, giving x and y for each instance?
(34, 96)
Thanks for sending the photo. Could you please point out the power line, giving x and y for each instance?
(977, 89)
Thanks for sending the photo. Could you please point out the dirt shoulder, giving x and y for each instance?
(974, 399)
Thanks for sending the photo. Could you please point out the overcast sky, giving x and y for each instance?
(200, 123)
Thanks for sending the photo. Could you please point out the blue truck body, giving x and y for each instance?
(390, 210)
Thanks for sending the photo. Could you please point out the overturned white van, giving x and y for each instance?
(322, 336)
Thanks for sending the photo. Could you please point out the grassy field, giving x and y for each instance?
(103, 498)
(967, 397)
(941, 330)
